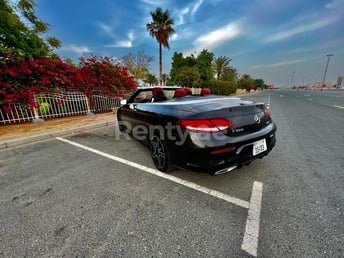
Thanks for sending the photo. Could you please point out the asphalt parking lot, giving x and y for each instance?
(97, 194)
(250, 239)
(104, 191)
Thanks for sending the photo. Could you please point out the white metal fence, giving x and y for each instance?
(59, 105)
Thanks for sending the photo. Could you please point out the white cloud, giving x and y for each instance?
(215, 2)
(174, 36)
(128, 43)
(77, 49)
(301, 29)
(181, 15)
(335, 4)
(306, 49)
(119, 44)
(186, 34)
(107, 30)
(124, 43)
(260, 66)
(155, 2)
(217, 37)
(131, 35)
(196, 6)
(186, 10)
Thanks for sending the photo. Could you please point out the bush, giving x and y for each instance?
(220, 87)
(21, 79)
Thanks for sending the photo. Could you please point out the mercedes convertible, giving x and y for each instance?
(199, 132)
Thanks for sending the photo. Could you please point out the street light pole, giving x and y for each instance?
(328, 60)
(292, 79)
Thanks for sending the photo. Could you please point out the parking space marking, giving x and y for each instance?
(269, 99)
(250, 240)
(217, 194)
(337, 106)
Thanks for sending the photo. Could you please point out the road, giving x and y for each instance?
(96, 194)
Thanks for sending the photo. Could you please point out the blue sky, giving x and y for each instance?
(268, 39)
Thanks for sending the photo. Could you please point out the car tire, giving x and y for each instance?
(160, 154)
(122, 128)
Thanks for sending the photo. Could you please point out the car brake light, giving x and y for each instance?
(206, 125)
(267, 113)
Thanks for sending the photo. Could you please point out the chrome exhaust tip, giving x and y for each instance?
(226, 170)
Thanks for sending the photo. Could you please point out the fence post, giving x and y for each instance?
(36, 120)
(89, 113)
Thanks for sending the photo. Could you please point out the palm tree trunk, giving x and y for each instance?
(160, 63)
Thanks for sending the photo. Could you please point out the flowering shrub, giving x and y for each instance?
(20, 79)
(100, 75)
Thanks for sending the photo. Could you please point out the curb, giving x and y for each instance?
(47, 136)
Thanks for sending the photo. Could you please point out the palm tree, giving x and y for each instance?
(150, 79)
(161, 29)
(164, 78)
(220, 65)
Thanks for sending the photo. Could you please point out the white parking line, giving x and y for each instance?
(217, 194)
(269, 99)
(337, 106)
(250, 241)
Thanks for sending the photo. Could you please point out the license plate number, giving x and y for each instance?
(259, 147)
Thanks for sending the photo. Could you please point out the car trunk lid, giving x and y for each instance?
(246, 116)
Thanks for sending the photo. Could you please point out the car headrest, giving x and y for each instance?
(188, 91)
(205, 91)
(178, 93)
(157, 91)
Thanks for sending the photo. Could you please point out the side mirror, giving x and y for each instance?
(123, 102)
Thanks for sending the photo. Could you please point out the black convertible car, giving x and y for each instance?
(203, 132)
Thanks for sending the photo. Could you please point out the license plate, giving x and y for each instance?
(259, 147)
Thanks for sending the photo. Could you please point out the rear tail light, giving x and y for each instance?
(267, 113)
(214, 125)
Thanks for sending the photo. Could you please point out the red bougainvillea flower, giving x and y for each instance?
(21, 78)
(32, 63)
(5, 84)
(7, 109)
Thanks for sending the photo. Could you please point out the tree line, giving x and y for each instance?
(23, 43)
(203, 70)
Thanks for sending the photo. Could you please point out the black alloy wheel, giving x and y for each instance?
(160, 154)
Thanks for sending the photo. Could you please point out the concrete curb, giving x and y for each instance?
(51, 135)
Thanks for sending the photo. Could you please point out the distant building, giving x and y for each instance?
(319, 85)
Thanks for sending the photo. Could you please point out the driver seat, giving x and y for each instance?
(158, 94)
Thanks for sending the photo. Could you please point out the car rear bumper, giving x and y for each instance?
(203, 160)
